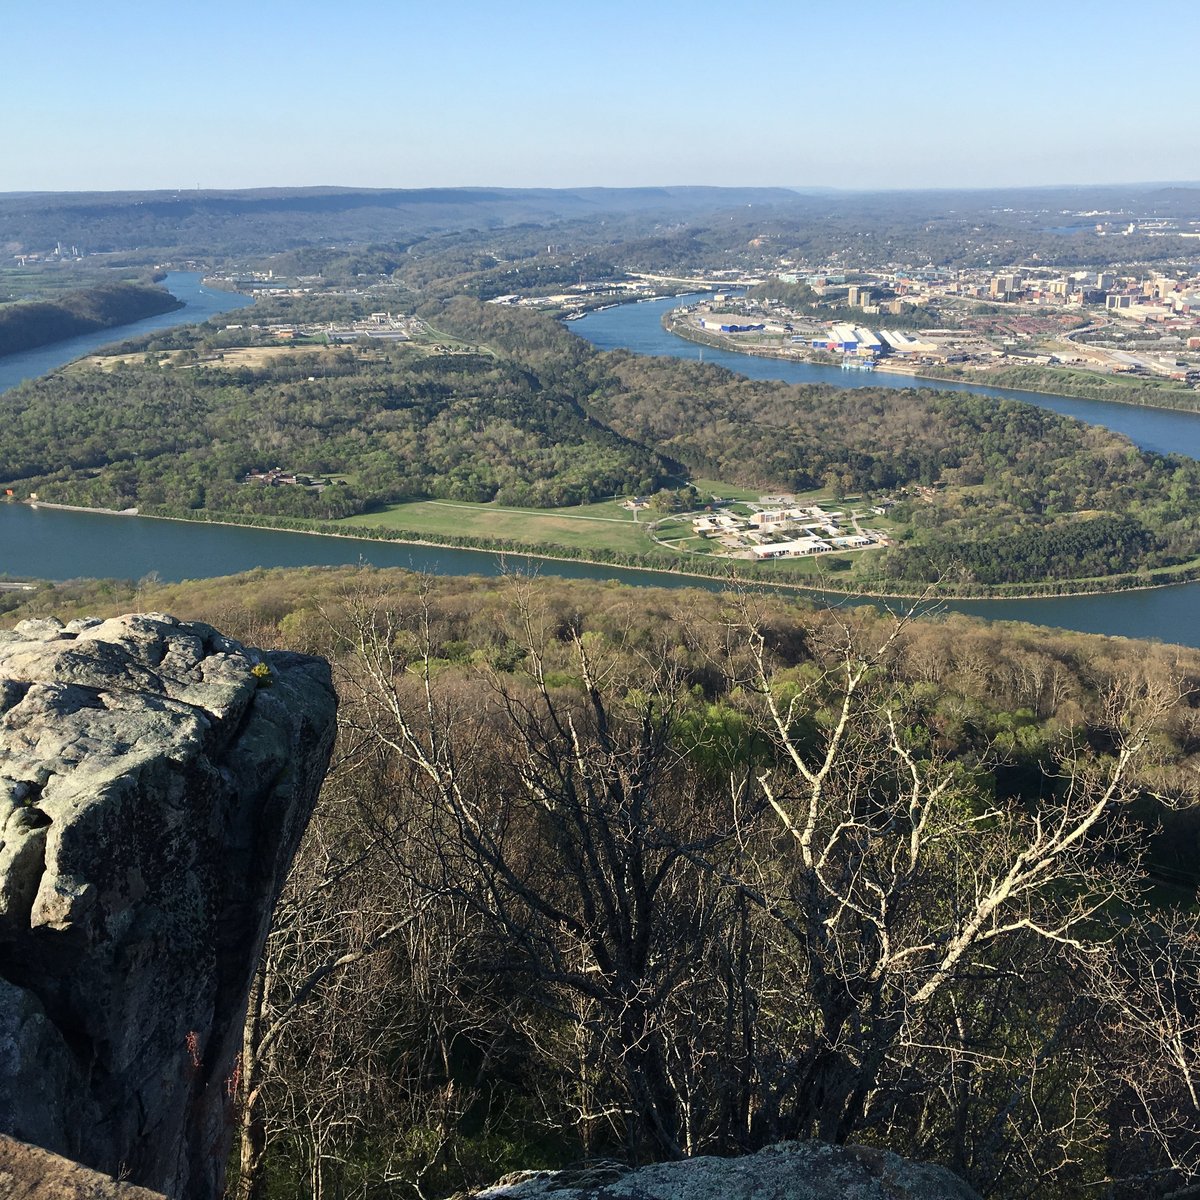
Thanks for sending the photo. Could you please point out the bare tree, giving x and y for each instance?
(566, 816)
(1147, 995)
(356, 963)
(899, 897)
(690, 926)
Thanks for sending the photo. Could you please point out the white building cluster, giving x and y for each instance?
(762, 535)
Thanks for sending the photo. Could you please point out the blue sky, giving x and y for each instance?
(183, 93)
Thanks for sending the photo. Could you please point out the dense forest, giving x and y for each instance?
(642, 874)
(465, 427)
(611, 873)
(1011, 467)
(27, 324)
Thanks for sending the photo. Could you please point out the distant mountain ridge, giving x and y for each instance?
(284, 217)
(225, 222)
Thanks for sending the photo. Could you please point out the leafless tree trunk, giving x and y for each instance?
(895, 890)
(573, 830)
(799, 919)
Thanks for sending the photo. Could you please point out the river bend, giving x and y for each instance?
(57, 544)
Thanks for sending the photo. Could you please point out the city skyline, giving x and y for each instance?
(862, 97)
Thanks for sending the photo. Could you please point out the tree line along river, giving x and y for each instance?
(59, 544)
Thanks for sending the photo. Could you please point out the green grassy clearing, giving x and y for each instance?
(586, 527)
(430, 337)
(48, 281)
(1112, 383)
(713, 487)
(605, 525)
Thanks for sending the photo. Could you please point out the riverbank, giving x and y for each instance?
(390, 537)
(108, 512)
(689, 333)
(65, 545)
(33, 325)
(195, 304)
(727, 570)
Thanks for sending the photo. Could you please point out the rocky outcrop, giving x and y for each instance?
(155, 778)
(27, 1173)
(788, 1171)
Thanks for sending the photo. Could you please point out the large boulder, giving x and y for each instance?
(788, 1171)
(155, 779)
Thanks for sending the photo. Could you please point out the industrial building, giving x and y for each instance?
(794, 549)
(905, 343)
(849, 339)
(728, 324)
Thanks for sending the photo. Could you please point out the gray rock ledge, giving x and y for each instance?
(155, 779)
(787, 1171)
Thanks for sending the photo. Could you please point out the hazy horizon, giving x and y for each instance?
(806, 189)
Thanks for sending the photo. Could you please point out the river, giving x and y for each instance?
(1172, 613)
(638, 327)
(60, 544)
(56, 544)
(199, 303)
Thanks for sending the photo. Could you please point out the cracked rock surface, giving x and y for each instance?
(787, 1171)
(155, 778)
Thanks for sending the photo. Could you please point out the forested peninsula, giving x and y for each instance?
(29, 324)
(512, 410)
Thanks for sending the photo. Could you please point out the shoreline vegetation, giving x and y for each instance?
(998, 501)
(736, 571)
(1044, 381)
(32, 324)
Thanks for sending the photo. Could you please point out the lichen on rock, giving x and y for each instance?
(152, 794)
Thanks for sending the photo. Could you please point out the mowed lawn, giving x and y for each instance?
(604, 526)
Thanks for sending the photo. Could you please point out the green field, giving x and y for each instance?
(604, 526)
(713, 487)
(48, 280)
